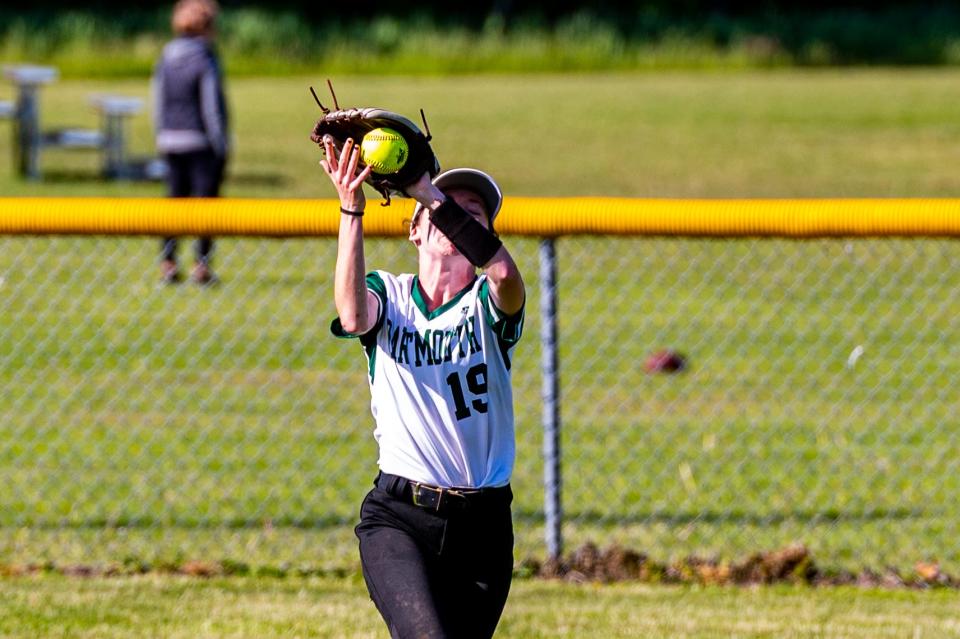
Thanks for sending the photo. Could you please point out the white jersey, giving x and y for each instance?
(440, 383)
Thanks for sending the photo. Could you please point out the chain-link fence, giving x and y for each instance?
(817, 403)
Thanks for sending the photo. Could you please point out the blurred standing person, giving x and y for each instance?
(190, 118)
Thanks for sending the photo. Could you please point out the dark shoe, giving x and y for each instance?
(169, 272)
(202, 275)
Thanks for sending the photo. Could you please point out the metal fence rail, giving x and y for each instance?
(147, 423)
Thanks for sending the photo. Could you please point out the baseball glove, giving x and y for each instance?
(341, 124)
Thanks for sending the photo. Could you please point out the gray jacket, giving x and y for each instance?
(189, 110)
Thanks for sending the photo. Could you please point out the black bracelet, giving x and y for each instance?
(349, 212)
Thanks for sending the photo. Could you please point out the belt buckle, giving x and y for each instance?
(432, 498)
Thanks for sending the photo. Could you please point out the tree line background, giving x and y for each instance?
(558, 35)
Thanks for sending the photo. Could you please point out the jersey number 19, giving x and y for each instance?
(476, 383)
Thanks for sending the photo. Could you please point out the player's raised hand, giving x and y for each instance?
(343, 172)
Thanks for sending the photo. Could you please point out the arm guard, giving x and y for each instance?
(471, 238)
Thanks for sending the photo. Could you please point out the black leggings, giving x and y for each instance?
(194, 174)
(435, 575)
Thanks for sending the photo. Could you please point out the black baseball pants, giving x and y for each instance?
(435, 574)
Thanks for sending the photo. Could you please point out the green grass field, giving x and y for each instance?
(245, 607)
(144, 424)
(765, 134)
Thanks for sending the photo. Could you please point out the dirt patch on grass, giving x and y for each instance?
(793, 564)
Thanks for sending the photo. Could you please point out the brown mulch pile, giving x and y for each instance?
(793, 564)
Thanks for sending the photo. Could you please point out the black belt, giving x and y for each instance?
(438, 498)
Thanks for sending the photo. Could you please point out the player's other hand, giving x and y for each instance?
(343, 172)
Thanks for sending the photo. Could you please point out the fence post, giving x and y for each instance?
(550, 393)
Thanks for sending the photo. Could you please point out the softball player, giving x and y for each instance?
(436, 534)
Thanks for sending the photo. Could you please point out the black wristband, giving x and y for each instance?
(474, 241)
(349, 212)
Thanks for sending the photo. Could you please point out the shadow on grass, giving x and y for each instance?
(826, 516)
(73, 176)
(520, 516)
(92, 176)
(93, 523)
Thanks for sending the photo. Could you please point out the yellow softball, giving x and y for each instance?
(384, 150)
